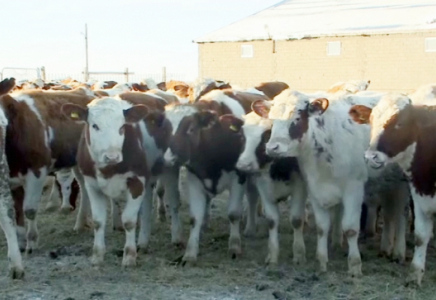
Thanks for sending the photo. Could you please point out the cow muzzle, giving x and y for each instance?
(276, 149)
(112, 158)
(375, 159)
(247, 166)
(169, 158)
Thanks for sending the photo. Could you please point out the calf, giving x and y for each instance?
(200, 140)
(274, 180)
(114, 165)
(329, 148)
(404, 133)
(7, 221)
(39, 140)
(64, 185)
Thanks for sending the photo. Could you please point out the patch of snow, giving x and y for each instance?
(297, 19)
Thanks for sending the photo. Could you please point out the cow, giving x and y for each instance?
(272, 88)
(388, 188)
(7, 214)
(202, 86)
(319, 133)
(350, 86)
(64, 186)
(113, 162)
(274, 180)
(403, 133)
(39, 140)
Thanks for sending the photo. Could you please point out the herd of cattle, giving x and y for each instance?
(333, 152)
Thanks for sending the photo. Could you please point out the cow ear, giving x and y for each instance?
(7, 85)
(231, 122)
(136, 113)
(179, 87)
(360, 114)
(318, 106)
(261, 108)
(75, 112)
(206, 118)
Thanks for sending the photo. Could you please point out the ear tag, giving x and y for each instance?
(233, 127)
(74, 115)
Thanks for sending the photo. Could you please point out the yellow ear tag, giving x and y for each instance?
(74, 115)
(233, 127)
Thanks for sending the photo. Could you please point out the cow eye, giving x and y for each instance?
(95, 127)
(190, 130)
(398, 126)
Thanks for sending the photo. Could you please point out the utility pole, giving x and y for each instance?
(86, 53)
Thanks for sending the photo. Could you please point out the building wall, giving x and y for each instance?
(394, 62)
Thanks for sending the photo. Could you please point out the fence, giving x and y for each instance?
(33, 73)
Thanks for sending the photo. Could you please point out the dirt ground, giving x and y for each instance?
(60, 269)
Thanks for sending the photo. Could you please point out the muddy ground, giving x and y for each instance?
(60, 269)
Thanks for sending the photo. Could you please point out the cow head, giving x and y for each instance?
(291, 112)
(105, 120)
(256, 132)
(393, 129)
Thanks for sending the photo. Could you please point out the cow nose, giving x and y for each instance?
(245, 166)
(272, 149)
(112, 158)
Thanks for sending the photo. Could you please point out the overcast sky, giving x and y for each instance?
(143, 35)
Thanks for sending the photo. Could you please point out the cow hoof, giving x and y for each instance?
(270, 261)
(143, 249)
(129, 261)
(16, 273)
(65, 210)
(189, 259)
(250, 232)
(96, 260)
(415, 277)
(299, 259)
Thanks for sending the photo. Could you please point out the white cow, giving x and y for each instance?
(329, 147)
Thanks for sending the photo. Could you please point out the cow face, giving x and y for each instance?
(393, 129)
(290, 113)
(175, 114)
(106, 119)
(256, 133)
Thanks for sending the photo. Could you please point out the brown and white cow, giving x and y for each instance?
(209, 148)
(39, 140)
(273, 180)
(7, 217)
(63, 186)
(403, 133)
(113, 162)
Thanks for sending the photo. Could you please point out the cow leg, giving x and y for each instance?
(352, 201)
(65, 179)
(158, 197)
(235, 215)
(423, 231)
(371, 223)
(53, 198)
(18, 196)
(32, 194)
(297, 210)
(387, 238)
(84, 205)
(206, 219)
(265, 189)
(146, 210)
(130, 218)
(117, 223)
(401, 217)
(337, 235)
(99, 216)
(7, 223)
(197, 207)
(322, 220)
(252, 195)
(170, 177)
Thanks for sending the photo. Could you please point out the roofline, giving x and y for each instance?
(332, 35)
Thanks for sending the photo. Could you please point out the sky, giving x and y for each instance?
(143, 35)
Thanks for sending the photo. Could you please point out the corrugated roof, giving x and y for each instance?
(297, 19)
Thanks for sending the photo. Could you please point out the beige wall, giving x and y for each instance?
(392, 62)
